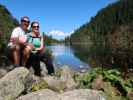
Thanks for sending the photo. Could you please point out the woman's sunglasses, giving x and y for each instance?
(35, 26)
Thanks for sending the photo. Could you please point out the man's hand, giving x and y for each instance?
(14, 40)
(22, 40)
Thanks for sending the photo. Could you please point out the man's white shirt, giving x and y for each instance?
(16, 33)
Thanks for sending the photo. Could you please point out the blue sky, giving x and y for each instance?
(57, 17)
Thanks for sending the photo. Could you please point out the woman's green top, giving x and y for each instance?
(35, 41)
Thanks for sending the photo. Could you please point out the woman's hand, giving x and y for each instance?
(39, 49)
(30, 46)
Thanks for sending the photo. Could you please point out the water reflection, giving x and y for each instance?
(64, 55)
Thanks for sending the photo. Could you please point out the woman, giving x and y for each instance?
(33, 53)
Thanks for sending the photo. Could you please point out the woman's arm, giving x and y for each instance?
(41, 46)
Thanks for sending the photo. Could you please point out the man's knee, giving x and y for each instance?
(17, 48)
(14, 47)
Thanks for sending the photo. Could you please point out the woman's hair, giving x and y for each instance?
(34, 23)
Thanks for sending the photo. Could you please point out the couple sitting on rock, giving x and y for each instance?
(27, 47)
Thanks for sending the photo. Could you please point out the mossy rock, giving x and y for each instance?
(40, 85)
(60, 87)
(58, 72)
(55, 84)
(111, 92)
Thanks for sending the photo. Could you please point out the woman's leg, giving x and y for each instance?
(48, 61)
(36, 64)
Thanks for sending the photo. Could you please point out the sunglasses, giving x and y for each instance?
(25, 21)
(35, 26)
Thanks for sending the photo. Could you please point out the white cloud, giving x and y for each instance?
(58, 34)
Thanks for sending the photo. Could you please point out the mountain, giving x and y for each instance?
(108, 36)
(58, 34)
(7, 23)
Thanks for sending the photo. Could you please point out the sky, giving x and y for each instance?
(58, 18)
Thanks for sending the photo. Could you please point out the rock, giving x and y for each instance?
(38, 84)
(83, 70)
(44, 70)
(67, 77)
(82, 94)
(31, 80)
(3, 72)
(34, 83)
(55, 84)
(13, 83)
(130, 95)
(110, 92)
(44, 94)
(98, 83)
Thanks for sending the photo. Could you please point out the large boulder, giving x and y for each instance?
(44, 70)
(13, 83)
(66, 75)
(81, 94)
(62, 81)
(98, 83)
(130, 95)
(3, 72)
(55, 84)
(44, 94)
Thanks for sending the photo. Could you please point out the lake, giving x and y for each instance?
(64, 55)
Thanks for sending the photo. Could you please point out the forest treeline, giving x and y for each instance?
(7, 23)
(108, 36)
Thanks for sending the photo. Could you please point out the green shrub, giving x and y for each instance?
(113, 76)
(86, 80)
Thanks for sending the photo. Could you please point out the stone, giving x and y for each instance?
(55, 84)
(44, 94)
(3, 72)
(130, 95)
(98, 83)
(44, 70)
(79, 94)
(67, 77)
(13, 83)
(82, 94)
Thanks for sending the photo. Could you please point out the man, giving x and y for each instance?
(18, 40)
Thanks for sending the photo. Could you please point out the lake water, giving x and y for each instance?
(64, 55)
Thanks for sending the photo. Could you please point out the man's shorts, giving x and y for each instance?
(9, 51)
(11, 46)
